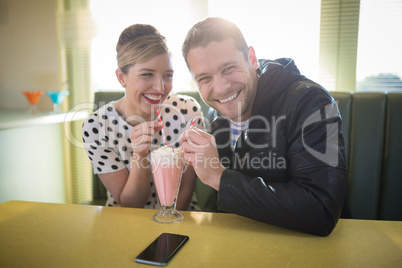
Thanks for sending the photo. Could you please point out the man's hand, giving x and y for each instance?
(200, 151)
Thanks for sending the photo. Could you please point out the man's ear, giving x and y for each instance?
(120, 77)
(252, 58)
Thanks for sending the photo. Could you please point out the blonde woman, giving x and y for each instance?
(119, 136)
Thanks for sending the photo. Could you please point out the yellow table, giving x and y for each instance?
(59, 235)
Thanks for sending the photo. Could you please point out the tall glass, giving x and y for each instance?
(167, 164)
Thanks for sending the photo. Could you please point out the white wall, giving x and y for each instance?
(28, 51)
(31, 166)
(31, 160)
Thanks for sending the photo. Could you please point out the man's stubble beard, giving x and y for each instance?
(245, 106)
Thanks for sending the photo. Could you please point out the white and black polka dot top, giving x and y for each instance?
(106, 138)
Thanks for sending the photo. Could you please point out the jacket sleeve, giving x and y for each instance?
(312, 198)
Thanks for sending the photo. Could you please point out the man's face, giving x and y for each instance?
(227, 81)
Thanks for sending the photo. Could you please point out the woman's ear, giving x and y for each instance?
(252, 58)
(120, 77)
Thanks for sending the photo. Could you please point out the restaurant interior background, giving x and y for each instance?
(346, 45)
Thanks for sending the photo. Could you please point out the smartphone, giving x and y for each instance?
(162, 249)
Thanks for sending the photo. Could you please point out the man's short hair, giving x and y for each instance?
(213, 29)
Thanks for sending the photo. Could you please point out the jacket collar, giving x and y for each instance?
(274, 76)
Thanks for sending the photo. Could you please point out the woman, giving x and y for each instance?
(119, 136)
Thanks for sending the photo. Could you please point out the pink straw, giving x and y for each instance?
(163, 132)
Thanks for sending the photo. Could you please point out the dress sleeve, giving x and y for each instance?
(195, 113)
(191, 109)
(103, 156)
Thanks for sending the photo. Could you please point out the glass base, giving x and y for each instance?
(56, 109)
(168, 215)
(32, 109)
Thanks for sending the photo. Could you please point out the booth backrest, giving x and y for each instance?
(372, 123)
(372, 126)
(99, 193)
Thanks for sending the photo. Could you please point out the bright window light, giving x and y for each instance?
(379, 53)
(276, 29)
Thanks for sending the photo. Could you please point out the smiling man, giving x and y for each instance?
(276, 151)
(225, 77)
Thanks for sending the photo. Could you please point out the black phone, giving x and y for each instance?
(162, 249)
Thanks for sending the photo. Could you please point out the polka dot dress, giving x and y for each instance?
(106, 138)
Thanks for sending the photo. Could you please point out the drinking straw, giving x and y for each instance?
(163, 132)
(192, 122)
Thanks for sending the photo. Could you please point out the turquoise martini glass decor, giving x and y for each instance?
(57, 98)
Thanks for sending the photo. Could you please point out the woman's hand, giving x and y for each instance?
(131, 188)
(142, 135)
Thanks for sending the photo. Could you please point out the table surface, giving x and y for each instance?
(63, 235)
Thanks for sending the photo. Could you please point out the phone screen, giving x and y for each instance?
(162, 249)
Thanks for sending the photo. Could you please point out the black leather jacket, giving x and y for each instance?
(288, 168)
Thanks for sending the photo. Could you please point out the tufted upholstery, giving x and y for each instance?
(372, 124)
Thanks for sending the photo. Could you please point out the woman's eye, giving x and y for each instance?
(168, 75)
(146, 75)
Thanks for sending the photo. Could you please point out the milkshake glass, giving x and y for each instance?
(167, 164)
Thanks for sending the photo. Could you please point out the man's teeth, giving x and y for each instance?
(229, 99)
(153, 96)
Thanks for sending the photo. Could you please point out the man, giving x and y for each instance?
(278, 138)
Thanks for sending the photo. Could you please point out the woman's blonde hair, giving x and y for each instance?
(139, 43)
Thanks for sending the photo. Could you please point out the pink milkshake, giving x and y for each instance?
(167, 165)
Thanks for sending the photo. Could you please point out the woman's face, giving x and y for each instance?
(147, 84)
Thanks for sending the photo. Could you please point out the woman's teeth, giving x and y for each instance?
(153, 96)
(229, 99)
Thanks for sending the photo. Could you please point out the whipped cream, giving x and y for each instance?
(167, 155)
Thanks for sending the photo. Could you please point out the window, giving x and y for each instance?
(172, 19)
(274, 28)
(277, 29)
(379, 53)
(339, 27)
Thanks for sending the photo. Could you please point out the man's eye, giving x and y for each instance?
(228, 69)
(205, 79)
